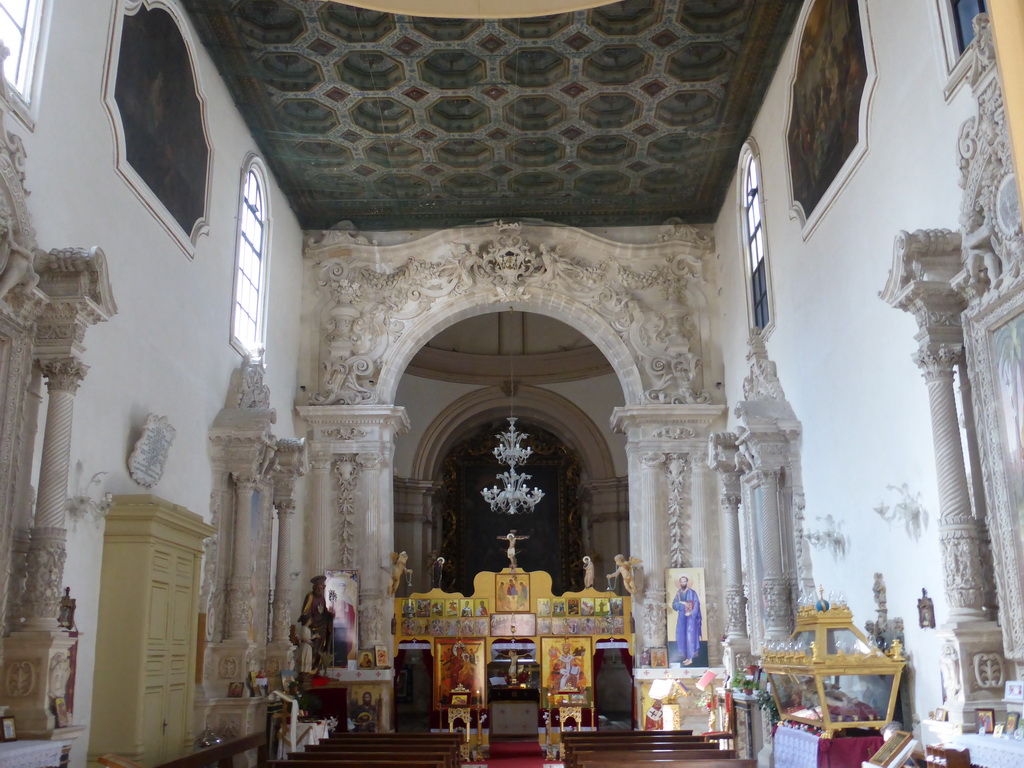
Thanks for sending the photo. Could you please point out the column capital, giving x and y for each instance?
(63, 374)
(937, 363)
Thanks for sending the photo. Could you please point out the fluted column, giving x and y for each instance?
(699, 515)
(646, 541)
(47, 548)
(736, 619)
(321, 538)
(240, 592)
(282, 598)
(958, 533)
(775, 585)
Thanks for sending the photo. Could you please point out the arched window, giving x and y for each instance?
(20, 25)
(754, 239)
(251, 264)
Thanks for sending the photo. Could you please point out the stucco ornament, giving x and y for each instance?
(988, 670)
(228, 668)
(677, 470)
(373, 297)
(20, 679)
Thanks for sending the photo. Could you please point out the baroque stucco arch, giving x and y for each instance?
(641, 304)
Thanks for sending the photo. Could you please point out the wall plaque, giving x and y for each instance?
(146, 464)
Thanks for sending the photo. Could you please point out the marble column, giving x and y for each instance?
(775, 584)
(47, 547)
(958, 532)
(240, 590)
(282, 597)
(321, 538)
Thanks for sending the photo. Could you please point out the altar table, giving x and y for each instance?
(990, 752)
(30, 754)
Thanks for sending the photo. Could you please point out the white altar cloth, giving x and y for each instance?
(30, 754)
(990, 752)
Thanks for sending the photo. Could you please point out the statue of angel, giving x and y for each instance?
(398, 561)
(624, 568)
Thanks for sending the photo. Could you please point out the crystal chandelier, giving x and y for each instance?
(515, 497)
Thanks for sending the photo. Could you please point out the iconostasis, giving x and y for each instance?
(563, 630)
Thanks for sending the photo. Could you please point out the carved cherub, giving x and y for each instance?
(398, 561)
(624, 568)
(16, 263)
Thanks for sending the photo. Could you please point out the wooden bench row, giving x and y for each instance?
(658, 749)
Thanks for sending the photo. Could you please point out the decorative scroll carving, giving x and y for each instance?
(211, 595)
(228, 668)
(344, 433)
(677, 469)
(762, 383)
(20, 679)
(988, 670)
(347, 469)
(960, 559)
(369, 308)
(46, 556)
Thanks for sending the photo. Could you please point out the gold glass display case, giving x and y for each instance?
(830, 675)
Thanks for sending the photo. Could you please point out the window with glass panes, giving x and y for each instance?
(964, 12)
(249, 279)
(755, 245)
(18, 19)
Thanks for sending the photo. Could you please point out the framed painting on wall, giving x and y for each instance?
(458, 662)
(513, 624)
(832, 75)
(687, 630)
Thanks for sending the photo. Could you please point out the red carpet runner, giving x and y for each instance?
(515, 754)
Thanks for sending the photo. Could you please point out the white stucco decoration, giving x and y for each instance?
(146, 464)
(641, 304)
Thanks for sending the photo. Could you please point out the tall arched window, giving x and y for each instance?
(754, 239)
(251, 264)
(20, 27)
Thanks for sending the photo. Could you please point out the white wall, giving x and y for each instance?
(843, 355)
(167, 351)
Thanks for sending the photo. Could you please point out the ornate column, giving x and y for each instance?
(320, 537)
(240, 591)
(723, 458)
(661, 441)
(926, 265)
(290, 463)
(774, 584)
(46, 551)
(78, 294)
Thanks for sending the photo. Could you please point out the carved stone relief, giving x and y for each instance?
(228, 668)
(988, 670)
(369, 306)
(677, 469)
(146, 463)
(20, 679)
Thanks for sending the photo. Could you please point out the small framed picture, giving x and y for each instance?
(941, 715)
(659, 657)
(9, 733)
(1012, 721)
(998, 731)
(236, 689)
(459, 700)
(366, 660)
(889, 753)
(60, 712)
(381, 656)
(985, 720)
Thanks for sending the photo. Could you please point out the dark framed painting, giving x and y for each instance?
(162, 118)
(828, 89)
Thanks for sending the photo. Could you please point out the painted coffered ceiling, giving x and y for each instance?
(624, 114)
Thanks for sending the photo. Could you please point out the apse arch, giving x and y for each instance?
(560, 306)
(556, 413)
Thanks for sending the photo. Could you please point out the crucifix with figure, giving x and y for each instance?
(511, 538)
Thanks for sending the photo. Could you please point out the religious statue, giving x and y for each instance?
(588, 572)
(925, 611)
(511, 538)
(624, 568)
(66, 616)
(398, 561)
(319, 620)
(16, 262)
(436, 570)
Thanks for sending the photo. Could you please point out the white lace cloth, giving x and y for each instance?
(30, 754)
(795, 749)
(990, 752)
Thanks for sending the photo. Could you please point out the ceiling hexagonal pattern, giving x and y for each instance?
(629, 113)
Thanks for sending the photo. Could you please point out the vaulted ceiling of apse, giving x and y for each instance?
(624, 114)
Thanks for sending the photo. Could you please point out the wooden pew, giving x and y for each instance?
(576, 757)
(401, 760)
(639, 759)
(448, 752)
